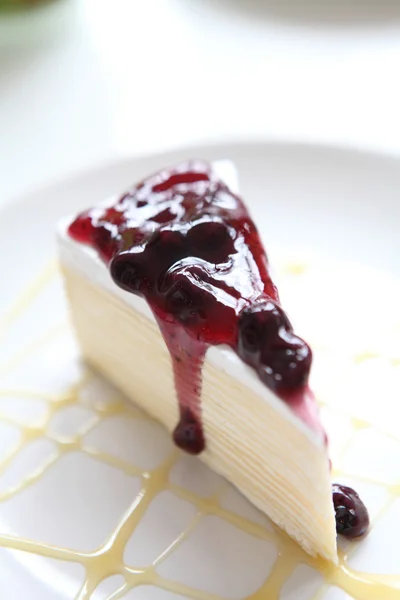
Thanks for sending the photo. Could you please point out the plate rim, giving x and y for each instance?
(72, 176)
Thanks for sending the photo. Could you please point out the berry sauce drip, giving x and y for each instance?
(352, 520)
(184, 242)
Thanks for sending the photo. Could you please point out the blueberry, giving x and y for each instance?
(125, 273)
(251, 337)
(183, 300)
(258, 324)
(285, 361)
(267, 342)
(188, 434)
(352, 519)
(211, 241)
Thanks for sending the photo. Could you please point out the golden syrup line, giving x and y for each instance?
(362, 586)
(85, 591)
(190, 527)
(151, 487)
(337, 469)
(343, 576)
(364, 478)
(295, 269)
(358, 423)
(321, 592)
(126, 467)
(11, 421)
(119, 593)
(24, 393)
(12, 454)
(50, 334)
(30, 479)
(340, 471)
(47, 397)
(362, 357)
(280, 572)
(183, 590)
(12, 542)
(209, 506)
(179, 540)
(68, 440)
(32, 291)
(28, 433)
(119, 407)
(383, 510)
(394, 489)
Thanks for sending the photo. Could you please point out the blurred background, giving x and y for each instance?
(83, 81)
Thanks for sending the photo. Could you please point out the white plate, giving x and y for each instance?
(311, 203)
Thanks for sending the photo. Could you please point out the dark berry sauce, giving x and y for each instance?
(184, 242)
(352, 520)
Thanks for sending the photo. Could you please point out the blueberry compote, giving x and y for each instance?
(184, 242)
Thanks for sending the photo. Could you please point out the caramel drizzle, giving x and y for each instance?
(107, 560)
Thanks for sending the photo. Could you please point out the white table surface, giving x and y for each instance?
(84, 81)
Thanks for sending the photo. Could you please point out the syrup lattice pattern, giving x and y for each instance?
(187, 531)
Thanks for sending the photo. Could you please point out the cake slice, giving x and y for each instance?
(172, 301)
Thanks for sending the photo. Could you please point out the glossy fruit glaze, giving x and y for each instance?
(184, 242)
